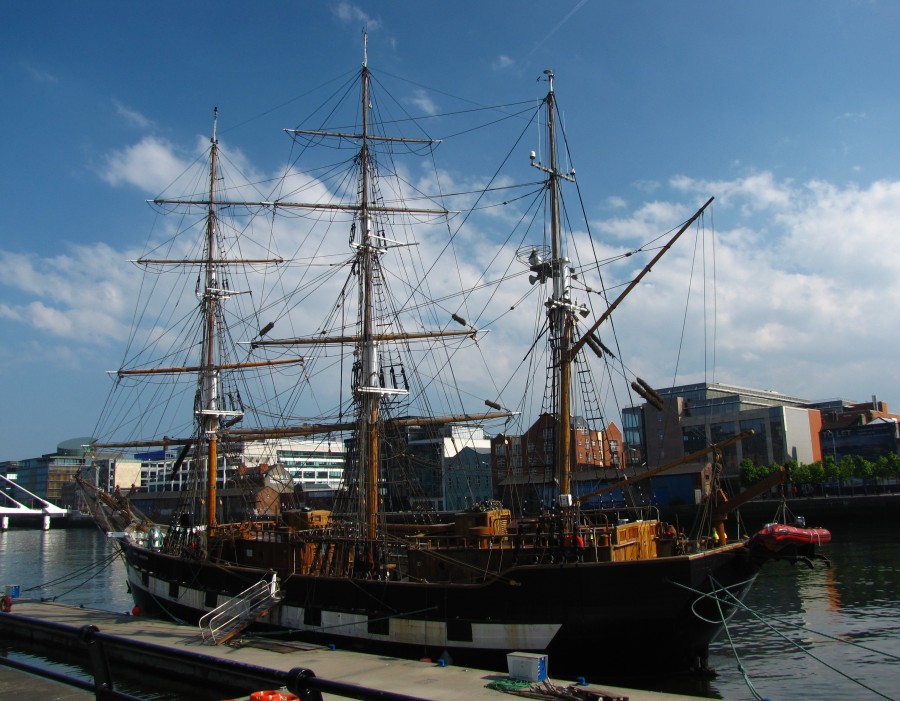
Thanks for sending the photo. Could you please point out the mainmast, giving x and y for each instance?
(559, 308)
(209, 419)
(367, 387)
(369, 242)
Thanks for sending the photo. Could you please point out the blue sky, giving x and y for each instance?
(786, 112)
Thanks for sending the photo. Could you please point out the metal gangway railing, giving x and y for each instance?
(223, 623)
(19, 509)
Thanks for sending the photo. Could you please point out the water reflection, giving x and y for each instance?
(74, 566)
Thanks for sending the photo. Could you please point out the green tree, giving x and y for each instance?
(802, 474)
(751, 473)
(887, 466)
(817, 473)
(864, 470)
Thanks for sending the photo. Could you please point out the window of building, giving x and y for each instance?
(693, 438)
(755, 447)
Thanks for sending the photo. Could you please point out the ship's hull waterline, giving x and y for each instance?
(589, 617)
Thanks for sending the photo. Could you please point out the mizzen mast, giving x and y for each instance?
(560, 308)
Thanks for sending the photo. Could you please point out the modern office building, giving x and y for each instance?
(784, 428)
(312, 463)
(48, 475)
(451, 465)
(867, 429)
(309, 462)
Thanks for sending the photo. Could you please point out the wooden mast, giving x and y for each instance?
(560, 309)
(369, 399)
(209, 423)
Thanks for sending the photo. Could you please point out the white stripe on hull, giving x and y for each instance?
(404, 631)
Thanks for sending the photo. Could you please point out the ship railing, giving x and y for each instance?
(616, 514)
(597, 527)
(224, 622)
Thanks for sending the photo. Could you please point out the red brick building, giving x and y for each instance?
(524, 469)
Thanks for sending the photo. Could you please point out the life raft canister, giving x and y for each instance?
(569, 540)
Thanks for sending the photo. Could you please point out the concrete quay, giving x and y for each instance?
(138, 647)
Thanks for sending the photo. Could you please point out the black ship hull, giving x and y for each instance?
(650, 616)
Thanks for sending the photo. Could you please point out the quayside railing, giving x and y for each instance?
(221, 624)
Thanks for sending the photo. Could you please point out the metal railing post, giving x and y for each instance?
(99, 664)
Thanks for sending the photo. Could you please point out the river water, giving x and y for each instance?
(817, 634)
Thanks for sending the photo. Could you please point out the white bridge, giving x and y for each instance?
(45, 508)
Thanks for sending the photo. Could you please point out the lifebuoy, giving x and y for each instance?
(271, 695)
(6, 604)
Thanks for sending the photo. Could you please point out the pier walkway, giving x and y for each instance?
(154, 648)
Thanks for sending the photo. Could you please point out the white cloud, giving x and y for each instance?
(422, 100)
(132, 117)
(502, 63)
(804, 292)
(81, 295)
(39, 75)
(150, 164)
(349, 13)
(55, 321)
(756, 192)
(805, 286)
(853, 116)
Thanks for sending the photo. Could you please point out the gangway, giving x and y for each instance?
(19, 509)
(221, 624)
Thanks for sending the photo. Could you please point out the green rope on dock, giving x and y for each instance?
(509, 685)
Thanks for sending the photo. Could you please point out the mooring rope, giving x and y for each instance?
(738, 604)
(93, 568)
(737, 659)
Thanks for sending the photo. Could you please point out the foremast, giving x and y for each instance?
(210, 411)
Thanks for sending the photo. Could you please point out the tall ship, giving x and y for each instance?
(251, 355)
